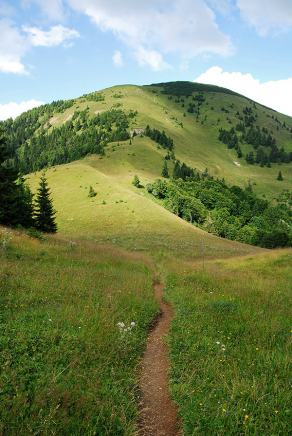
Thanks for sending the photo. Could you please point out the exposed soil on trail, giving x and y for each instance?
(158, 413)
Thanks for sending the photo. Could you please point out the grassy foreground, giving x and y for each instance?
(66, 366)
(230, 345)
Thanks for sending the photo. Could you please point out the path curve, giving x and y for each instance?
(158, 413)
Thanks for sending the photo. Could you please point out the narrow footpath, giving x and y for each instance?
(158, 413)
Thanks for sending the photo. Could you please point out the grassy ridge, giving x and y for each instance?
(123, 215)
(230, 345)
(66, 367)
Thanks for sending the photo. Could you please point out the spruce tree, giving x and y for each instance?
(164, 171)
(24, 204)
(280, 177)
(136, 181)
(9, 192)
(44, 211)
(176, 170)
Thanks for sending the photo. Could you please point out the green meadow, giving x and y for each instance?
(230, 345)
(76, 307)
(67, 367)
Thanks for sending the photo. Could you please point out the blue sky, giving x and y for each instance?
(58, 49)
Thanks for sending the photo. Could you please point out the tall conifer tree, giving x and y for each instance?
(165, 172)
(9, 194)
(44, 211)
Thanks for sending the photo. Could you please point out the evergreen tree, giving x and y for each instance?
(136, 181)
(280, 177)
(91, 192)
(176, 170)
(164, 172)
(44, 211)
(24, 205)
(15, 200)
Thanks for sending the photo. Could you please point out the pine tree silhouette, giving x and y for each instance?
(44, 211)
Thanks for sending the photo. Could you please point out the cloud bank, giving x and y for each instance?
(268, 15)
(12, 110)
(154, 28)
(275, 94)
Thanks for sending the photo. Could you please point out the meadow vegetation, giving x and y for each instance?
(74, 319)
(230, 345)
(75, 307)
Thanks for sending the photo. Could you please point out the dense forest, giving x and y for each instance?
(33, 143)
(226, 211)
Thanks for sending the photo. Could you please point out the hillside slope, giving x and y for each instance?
(122, 215)
(191, 114)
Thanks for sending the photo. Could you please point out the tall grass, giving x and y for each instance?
(67, 367)
(230, 346)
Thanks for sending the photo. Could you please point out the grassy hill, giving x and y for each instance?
(69, 368)
(196, 143)
(195, 135)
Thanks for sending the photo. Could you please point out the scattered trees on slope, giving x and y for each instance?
(160, 137)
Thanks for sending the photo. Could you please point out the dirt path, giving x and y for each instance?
(158, 414)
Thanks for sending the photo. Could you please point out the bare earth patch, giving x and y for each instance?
(158, 413)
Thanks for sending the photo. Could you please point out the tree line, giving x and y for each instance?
(227, 211)
(160, 137)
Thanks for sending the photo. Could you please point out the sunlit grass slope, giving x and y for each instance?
(122, 214)
(196, 143)
(66, 366)
(231, 345)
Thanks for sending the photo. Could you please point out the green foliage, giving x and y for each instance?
(182, 88)
(44, 213)
(160, 137)
(15, 197)
(228, 212)
(279, 176)
(94, 96)
(92, 192)
(36, 147)
(136, 181)
(164, 171)
(264, 144)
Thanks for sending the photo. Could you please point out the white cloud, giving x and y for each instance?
(12, 110)
(15, 43)
(267, 15)
(275, 94)
(57, 35)
(52, 9)
(150, 58)
(118, 59)
(155, 28)
(12, 49)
